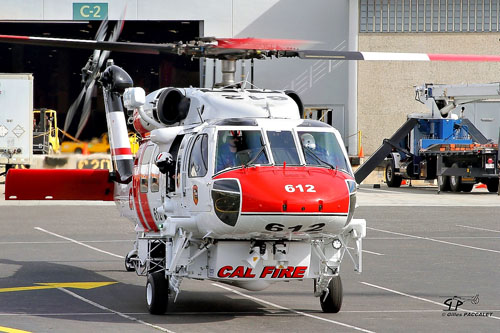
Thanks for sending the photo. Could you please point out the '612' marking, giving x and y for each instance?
(280, 227)
(300, 188)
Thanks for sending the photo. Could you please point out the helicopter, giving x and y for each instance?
(229, 184)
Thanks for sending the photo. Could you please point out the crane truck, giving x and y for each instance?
(441, 144)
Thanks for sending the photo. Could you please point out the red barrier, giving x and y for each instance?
(58, 184)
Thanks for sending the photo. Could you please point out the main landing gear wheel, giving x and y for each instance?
(333, 301)
(157, 293)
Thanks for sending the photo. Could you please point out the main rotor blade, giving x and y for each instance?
(87, 103)
(72, 109)
(143, 48)
(243, 48)
(112, 38)
(393, 56)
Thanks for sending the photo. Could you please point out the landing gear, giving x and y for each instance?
(157, 293)
(130, 258)
(331, 300)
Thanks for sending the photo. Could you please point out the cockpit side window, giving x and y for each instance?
(283, 147)
(239, 147)
(198, 161)
(323, 148)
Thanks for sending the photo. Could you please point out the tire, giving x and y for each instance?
(444, 183)
(466, 187)
(455, 181)
(78, 150)
(157, 293)
(333, 301)
(129, 265)
(392, 179)
(492, 185)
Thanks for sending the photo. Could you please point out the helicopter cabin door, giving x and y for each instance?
(197, 180)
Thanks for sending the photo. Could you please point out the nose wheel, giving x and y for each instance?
(331, 299)
(157, 293)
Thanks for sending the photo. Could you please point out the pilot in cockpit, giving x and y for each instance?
(227, 149)
(309, 143)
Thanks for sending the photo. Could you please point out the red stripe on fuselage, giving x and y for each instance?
(147, 211)
(305, 190)
(143, 197)
(136, 179)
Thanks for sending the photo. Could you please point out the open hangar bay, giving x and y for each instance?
(421, 250)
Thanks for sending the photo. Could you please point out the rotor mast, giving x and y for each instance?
(228, 72)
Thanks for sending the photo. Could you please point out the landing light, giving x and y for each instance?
(337, 244)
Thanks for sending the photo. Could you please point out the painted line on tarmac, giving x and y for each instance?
(435, 240)
(449, 237)
(11, 330)
(369, 252)
(68, 242)
(376, 190)
(423, 299)
(483, 229)
(123, 315)
(79, 243)
(288, 309)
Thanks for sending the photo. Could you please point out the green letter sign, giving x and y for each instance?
(90, 11)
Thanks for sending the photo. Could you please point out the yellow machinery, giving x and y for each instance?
(45, 131)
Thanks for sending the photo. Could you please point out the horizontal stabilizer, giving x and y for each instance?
(58, 184)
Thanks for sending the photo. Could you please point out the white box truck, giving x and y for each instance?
(16, 119)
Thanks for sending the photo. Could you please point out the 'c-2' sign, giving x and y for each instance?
(96, 11)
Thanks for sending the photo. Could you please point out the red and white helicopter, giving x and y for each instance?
(229, 184)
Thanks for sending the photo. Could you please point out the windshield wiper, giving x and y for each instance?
(256, 156)
(309, 150)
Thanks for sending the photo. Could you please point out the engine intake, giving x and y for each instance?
(172, 106)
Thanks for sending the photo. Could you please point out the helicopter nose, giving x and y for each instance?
(293, 190)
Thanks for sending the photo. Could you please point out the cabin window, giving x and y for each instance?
(155, 175)
(145, 162)
(198, 161)
(283, 147)
(323, 149)
(236, 148)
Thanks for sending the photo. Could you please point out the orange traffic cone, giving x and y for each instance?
(361, 154)
(85, 150)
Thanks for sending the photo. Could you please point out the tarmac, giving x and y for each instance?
(430, 263)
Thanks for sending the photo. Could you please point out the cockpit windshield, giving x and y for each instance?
(239, 147)
(283, 147)
(323, 148)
